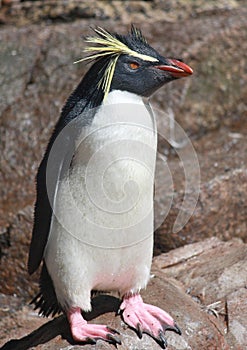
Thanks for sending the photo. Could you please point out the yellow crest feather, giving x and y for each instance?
(107, 45)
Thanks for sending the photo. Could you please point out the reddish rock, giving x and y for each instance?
(202, 285)
(214, 274)
(237, 313)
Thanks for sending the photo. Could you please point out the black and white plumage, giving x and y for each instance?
(93, 222)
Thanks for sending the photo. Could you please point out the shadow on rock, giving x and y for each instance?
(59, 326)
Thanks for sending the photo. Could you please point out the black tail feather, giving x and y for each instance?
(46, 300)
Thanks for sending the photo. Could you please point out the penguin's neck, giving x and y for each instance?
(118, 97)
(124, 108)
(123, 118)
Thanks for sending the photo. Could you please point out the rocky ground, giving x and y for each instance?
(203, 285)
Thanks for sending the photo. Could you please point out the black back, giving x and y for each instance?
(77, 113)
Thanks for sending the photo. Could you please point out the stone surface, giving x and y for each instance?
(223, 266)
(202, 285)
(237, 308)
(23, 12)
(221, 208)
(214, 274)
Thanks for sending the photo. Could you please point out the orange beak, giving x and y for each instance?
(176, 68)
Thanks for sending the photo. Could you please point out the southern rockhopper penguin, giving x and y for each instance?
(93, 220)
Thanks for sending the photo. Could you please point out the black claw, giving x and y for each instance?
(160, 339)
(112, 330)
(163, 341)
(112, 339)
(174, 328)
(91, 341)
(177, 329)
(138, 330)
(118, 312)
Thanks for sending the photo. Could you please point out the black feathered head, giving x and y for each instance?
(108, 48)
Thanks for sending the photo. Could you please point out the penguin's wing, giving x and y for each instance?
(42, 219)
(54, 166)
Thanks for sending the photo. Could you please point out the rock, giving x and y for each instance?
(202, 285)
(222, 265)
(214, 274)
(215, 95)
(237, 308)
(23, 12)
(221, 210)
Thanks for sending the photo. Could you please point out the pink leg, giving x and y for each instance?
(146, 318)
(84, 332)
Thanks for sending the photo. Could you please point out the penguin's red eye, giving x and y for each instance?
(134, 65)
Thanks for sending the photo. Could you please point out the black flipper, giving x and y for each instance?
(54, 166)
(77, 113)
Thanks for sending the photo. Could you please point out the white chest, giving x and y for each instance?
(103, 231)
(122, 137)
(110, 187)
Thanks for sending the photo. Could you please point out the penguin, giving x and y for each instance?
(93, 216)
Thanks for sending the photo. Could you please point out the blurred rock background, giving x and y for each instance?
(39, 41)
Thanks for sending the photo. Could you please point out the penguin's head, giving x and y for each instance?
(129, 63)
(143, 77)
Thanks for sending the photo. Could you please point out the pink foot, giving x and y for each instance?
(90, 333)
(145, 318)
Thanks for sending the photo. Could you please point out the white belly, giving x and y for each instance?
(101, 236)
